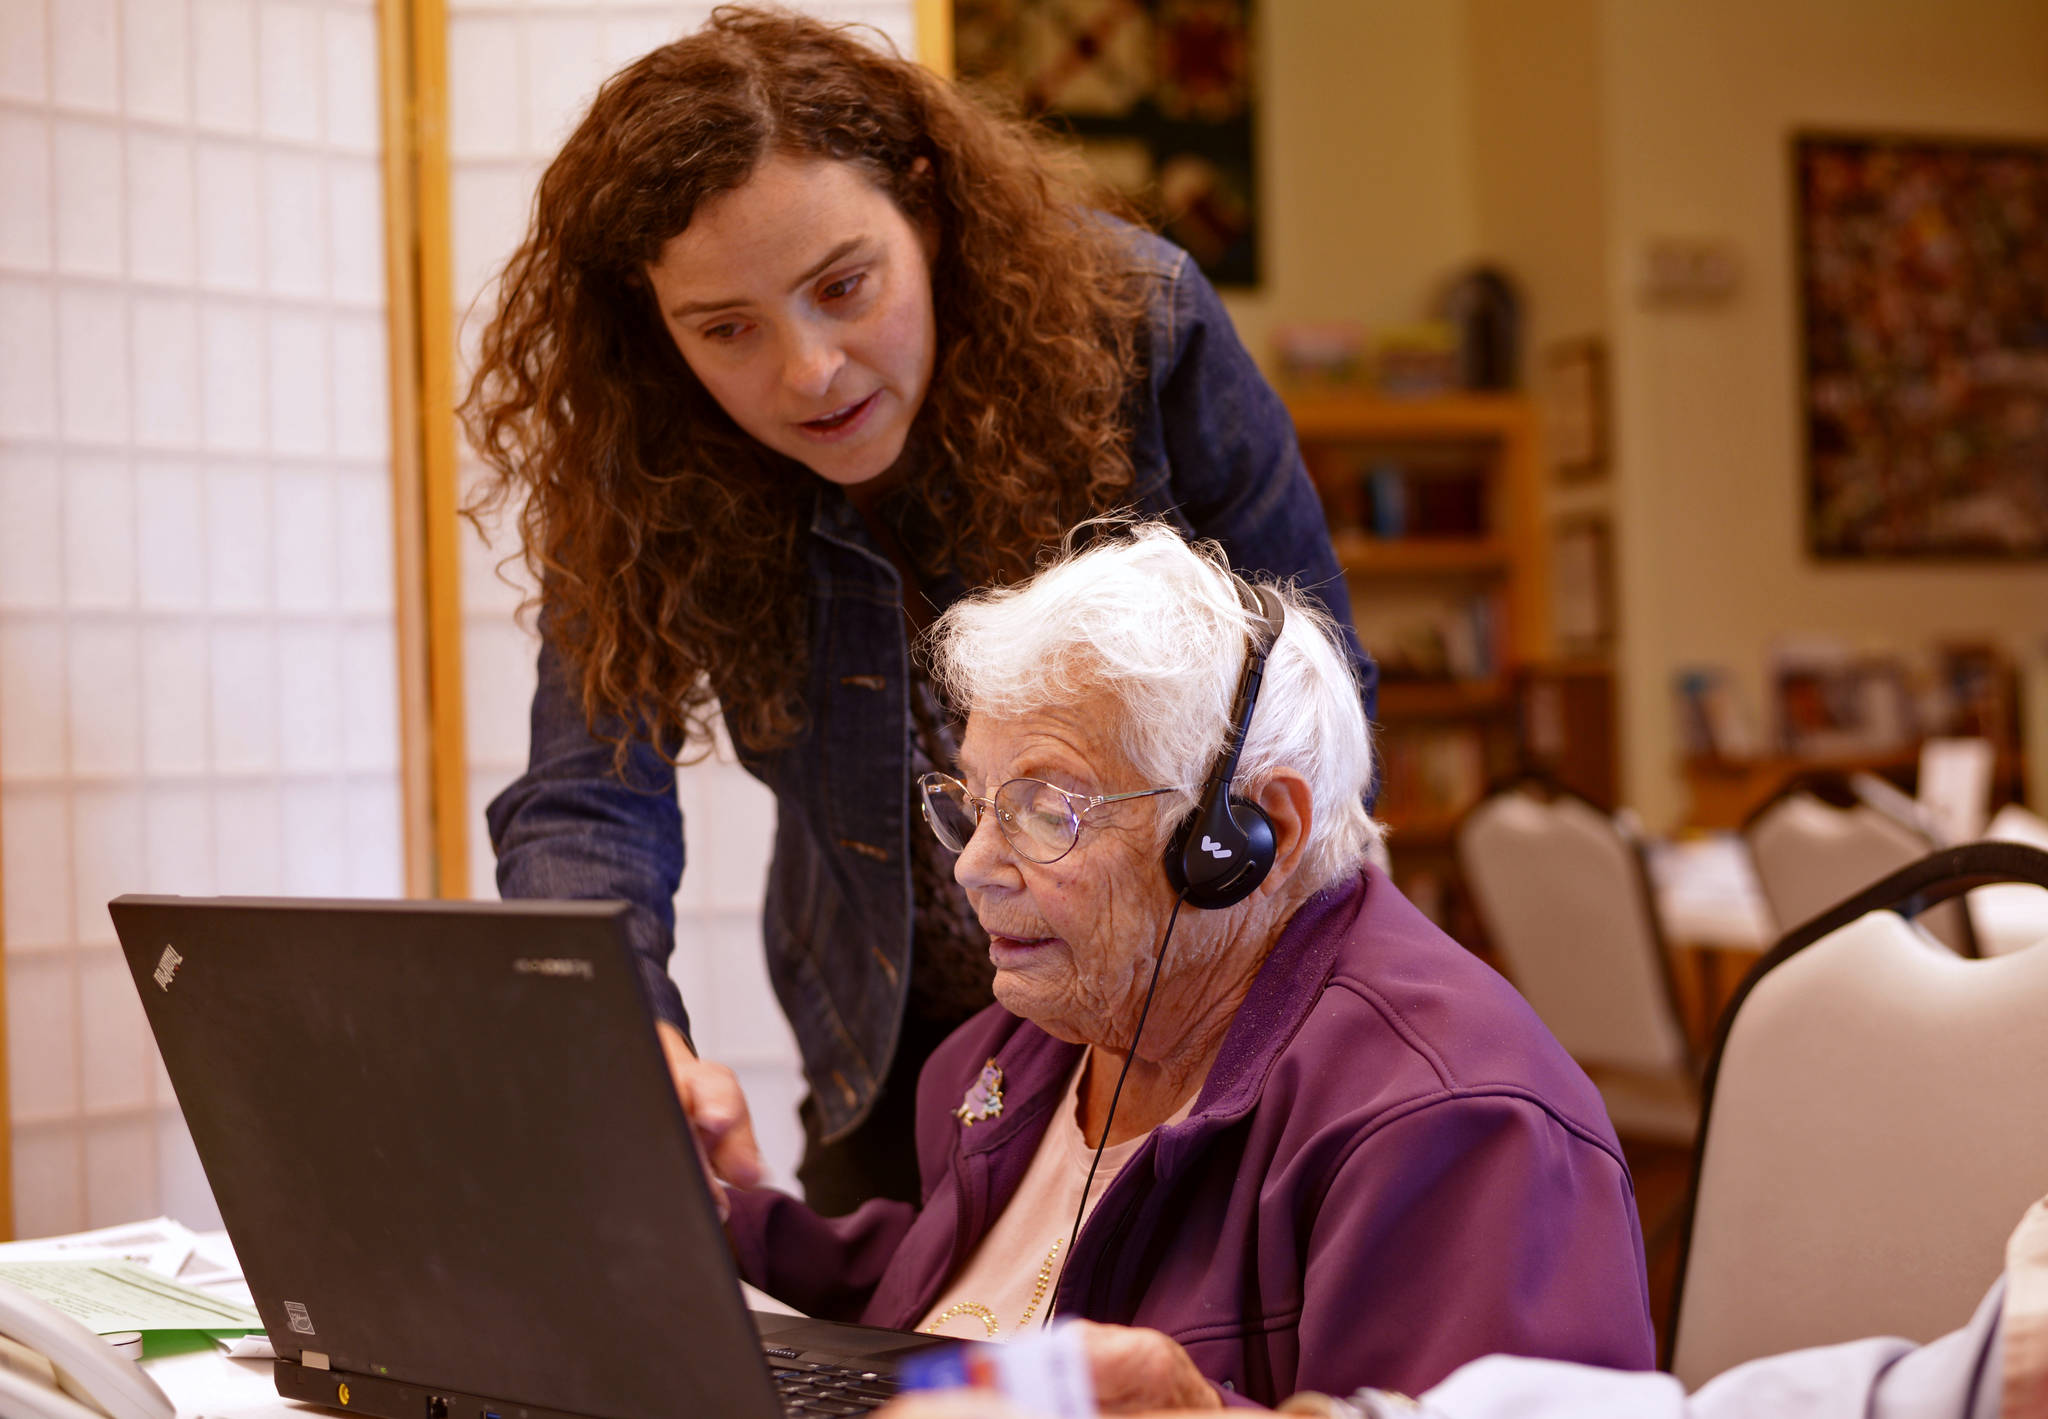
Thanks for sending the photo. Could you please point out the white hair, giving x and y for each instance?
(1159, 625)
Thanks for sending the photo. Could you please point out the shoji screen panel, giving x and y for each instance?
(197, 663)
(520, 77)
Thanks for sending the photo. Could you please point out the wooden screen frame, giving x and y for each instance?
(420, 288)
(934, 33)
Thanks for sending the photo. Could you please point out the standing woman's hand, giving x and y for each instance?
(719, 1120)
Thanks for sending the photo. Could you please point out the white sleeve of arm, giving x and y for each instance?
(1955, 1377)
(1510, 1387)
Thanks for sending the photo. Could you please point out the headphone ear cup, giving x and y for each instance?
(1219, 861)
(1259, 847)
(1176, 853)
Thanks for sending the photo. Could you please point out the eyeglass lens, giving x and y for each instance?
(1034, 818)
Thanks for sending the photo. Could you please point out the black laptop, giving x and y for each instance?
(445, 1145)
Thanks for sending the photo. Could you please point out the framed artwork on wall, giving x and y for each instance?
(1575, 408)
(1923, 287)
(1159, 94)
(1582, 559)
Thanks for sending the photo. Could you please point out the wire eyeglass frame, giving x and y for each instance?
(1008, 820)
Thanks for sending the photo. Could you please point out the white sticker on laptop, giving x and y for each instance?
(296, 1312)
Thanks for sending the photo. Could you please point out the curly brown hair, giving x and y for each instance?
(665, 540)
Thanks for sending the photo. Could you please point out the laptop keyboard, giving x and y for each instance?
(809, 1389)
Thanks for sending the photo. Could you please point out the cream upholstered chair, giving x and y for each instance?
(2008, 918)
(1564, 898)
(1874, 1121)
(1811, 853)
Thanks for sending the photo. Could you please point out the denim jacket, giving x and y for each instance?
(1212, 449)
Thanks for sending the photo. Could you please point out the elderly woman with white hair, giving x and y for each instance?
(1271, 1112)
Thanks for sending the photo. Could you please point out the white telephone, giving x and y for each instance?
(51, 1367)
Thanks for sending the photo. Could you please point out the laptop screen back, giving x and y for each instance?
(444, 1142)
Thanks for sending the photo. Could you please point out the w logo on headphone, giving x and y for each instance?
(1213, 848)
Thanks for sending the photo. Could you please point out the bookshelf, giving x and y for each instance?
(1435, 512)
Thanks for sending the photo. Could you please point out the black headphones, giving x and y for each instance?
(1224, 848)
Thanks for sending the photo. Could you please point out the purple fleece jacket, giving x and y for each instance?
(1392, 1168)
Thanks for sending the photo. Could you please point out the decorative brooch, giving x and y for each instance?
(985, 1099)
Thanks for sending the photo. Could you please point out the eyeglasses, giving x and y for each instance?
(1040, 821)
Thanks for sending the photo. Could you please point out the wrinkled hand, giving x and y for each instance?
(719, 1120)
(973, 1404)
(1136, 1369)
(951, 1404)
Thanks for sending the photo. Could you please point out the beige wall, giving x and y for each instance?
(1538, 172)
(1364, 144)
(1403, 138)
(1700, 101)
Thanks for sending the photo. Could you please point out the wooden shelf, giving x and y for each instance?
(1483, 593)
(1421, 832)
(1342, 415)
(1361, 555)
(1442, 699)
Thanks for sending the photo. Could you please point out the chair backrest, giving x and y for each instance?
(1873, 1124)
(2011, 917)
(1954, 786)
(1564, 899)
(1810, 854)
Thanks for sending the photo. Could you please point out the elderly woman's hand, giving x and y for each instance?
(978, 1404)
(1136, 1369)
(953, 1404)
(1136, 1372)
(975, 1404)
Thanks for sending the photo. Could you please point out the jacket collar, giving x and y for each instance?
(1274, 1010)
(833, 517)
(1035, 1064)
(1281, 996)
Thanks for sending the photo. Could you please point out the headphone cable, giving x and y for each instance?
(1158, 960)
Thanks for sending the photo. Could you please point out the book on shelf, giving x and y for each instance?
(1391, 498)
(1433, 774)
(1456, 642)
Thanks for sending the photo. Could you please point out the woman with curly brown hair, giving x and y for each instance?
(802, 345)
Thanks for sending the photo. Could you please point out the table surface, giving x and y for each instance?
(205, 1384)
(208, 1385)
(1708, 895)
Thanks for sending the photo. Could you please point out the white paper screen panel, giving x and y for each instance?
(197, 657)
(520, 78)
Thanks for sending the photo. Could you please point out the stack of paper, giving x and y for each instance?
(176, 1288)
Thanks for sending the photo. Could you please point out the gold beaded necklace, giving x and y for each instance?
(987, 1316)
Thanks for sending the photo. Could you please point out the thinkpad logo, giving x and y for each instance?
(561, 966)
(167, 966)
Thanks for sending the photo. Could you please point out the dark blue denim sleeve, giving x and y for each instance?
(1237, 469)
(571, 827)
